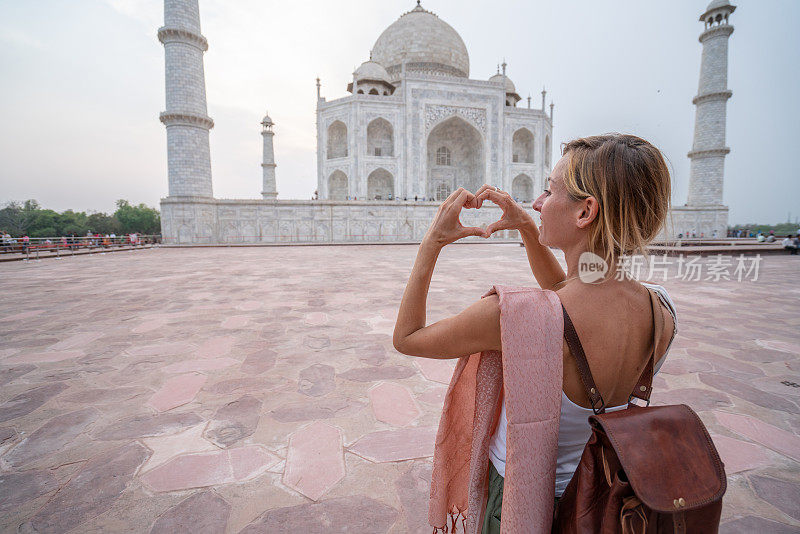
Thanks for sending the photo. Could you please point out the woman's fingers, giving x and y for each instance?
(472, 230)
(499, 198)
(495, 226)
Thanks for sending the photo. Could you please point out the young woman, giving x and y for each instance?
(608, 195)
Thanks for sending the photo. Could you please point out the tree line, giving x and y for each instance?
(29, 218)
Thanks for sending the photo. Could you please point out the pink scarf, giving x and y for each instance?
(529, 372)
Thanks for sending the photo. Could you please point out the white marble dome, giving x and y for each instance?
(510, 88)
(370, 70)
(717, 3)
(425, 43)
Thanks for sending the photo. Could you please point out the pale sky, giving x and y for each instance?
(83, 84)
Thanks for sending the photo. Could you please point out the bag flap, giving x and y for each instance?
(667, 455)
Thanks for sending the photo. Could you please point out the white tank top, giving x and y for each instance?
(573, 430)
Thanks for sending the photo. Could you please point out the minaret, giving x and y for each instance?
(270, 191)
(186, 116)
(709, 150)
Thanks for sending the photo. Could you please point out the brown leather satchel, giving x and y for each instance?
(644, 469)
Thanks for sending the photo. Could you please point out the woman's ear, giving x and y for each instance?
(589, 212)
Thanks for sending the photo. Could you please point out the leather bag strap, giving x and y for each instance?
(574, 344)
(644, 386)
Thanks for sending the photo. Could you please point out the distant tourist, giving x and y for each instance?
(771, 237)
(788, 244)
(760, 237)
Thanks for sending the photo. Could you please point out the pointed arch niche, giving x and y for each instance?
(337, 186)
(455, 157)
(380, 138)
(380, 185)
(337, 140)
(522, 146)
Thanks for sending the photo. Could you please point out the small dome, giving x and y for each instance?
(370, 70)
(425, 43)
(267, 121)
(501, 78)
(717, 3)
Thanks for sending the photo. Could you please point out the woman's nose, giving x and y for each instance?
(537, 204)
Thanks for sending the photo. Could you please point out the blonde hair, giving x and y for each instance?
(630, 180)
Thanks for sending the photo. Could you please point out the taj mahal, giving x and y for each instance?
(411, 128)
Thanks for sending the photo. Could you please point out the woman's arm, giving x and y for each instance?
(475, 329)
(543, 262)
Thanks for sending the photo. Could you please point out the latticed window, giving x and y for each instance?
(443, 189)
(443, 156)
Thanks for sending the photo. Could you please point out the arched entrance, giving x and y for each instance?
(380, 138)
(380, 185)
(337, 186)
(455, 158)
(522, 188)
(337, 140)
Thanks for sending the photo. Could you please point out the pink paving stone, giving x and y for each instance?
(433, 395)
(436, 370)
(396, 445)
(41, 357)
(249, 305)
(781, 385)
(76, 340)
(177, 391)
(316, 318)
(216, 347)
(5, 353)
(199, 365)
(773, 437)
(203, 469)
(393, 404)
(315, 460)
(147, 326)
(21, 316)
(738, 455)
(235, 321)
(783, 346)
(161, 349)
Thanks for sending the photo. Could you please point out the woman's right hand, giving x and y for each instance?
(514, 215)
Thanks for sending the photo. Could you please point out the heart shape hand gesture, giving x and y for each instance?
(447, 228)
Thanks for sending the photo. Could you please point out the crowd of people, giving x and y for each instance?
(23, 244)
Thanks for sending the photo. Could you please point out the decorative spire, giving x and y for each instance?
(544, 94)
(498, 69)
(504, 66)
(529, 101)
(318, 86)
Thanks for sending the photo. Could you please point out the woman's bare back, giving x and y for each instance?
(615, 325)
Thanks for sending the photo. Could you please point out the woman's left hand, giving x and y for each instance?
(446, 226)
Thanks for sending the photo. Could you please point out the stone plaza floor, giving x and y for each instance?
(257, 389)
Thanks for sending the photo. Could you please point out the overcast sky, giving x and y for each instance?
(83, 83)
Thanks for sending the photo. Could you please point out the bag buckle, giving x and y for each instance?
(602, 405)
(646, 400)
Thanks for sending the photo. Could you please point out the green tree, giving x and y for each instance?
(44, 224)
(103, 224)
(140, 219)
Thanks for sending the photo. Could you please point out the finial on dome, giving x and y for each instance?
(504, 66)
(498, 69)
